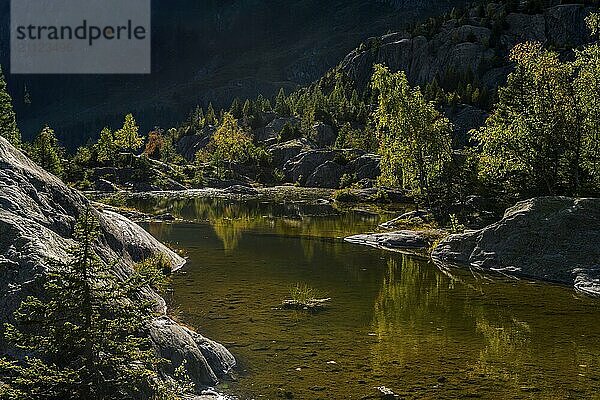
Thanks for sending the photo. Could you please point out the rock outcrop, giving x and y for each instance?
(189, 145)
(283, 152)
(37, 218)
(404, 241)
(270, 133)
(325, 168)
(460, 48)
(553, 239)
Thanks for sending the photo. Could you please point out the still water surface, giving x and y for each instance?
(394, 320)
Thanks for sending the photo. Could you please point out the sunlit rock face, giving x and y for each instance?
(553, 239)
(460, 49)
(37, 218)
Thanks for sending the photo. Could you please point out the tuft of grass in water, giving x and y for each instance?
(301, 293)
(303, 297)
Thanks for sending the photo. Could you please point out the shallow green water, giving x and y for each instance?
(394, 320)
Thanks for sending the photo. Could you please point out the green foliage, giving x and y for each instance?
(282, 106)
(347, 180)
(210, 118)
(544, 131)
(8, 122)
(106, 147)
(77, 168)
(127, 138)
(587, 91)
(414, 138)
(455, 226)
(350, 138)
(289, 132)
(46, 152)
(115, 200)
(84, 336)
(346, 195)
(230, 144)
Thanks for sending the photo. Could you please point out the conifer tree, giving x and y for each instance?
(282, 107)
(236, 108)
(106, 146)
(8, 122)
(197, 119)
(84, 336)
(46, 152)
(229, 144)
(128, 138)
(211, 117)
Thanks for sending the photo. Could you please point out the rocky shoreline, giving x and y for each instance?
(37, 218)
(550, 239)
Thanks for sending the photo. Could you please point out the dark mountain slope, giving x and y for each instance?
(211, 51)
(471, 48)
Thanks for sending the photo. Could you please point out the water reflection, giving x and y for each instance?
(230, 219)
(512, 337)
(394, 320)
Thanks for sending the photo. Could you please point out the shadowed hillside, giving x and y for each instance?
(210, 51)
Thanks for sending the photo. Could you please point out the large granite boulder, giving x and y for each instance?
(554, 239)
(326, 175)
(189, 145)
(403, 241)
(469, 48)
(283, 152)
(269, 135)
(367, 166)
(325, 168)
(37, 218)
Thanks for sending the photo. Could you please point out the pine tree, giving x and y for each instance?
(282, 108)
(106, 146)
(197, 119)
(127, 138)
(236, 108)
(229, 144)
(211, 117)
(8, 122)
(46, 152)
(83, 336)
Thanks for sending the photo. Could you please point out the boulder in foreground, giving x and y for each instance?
(37, 218)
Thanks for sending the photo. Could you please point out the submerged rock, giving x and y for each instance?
(554, 239)
(37, 219)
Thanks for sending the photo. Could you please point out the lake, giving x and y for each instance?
(394, 320)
